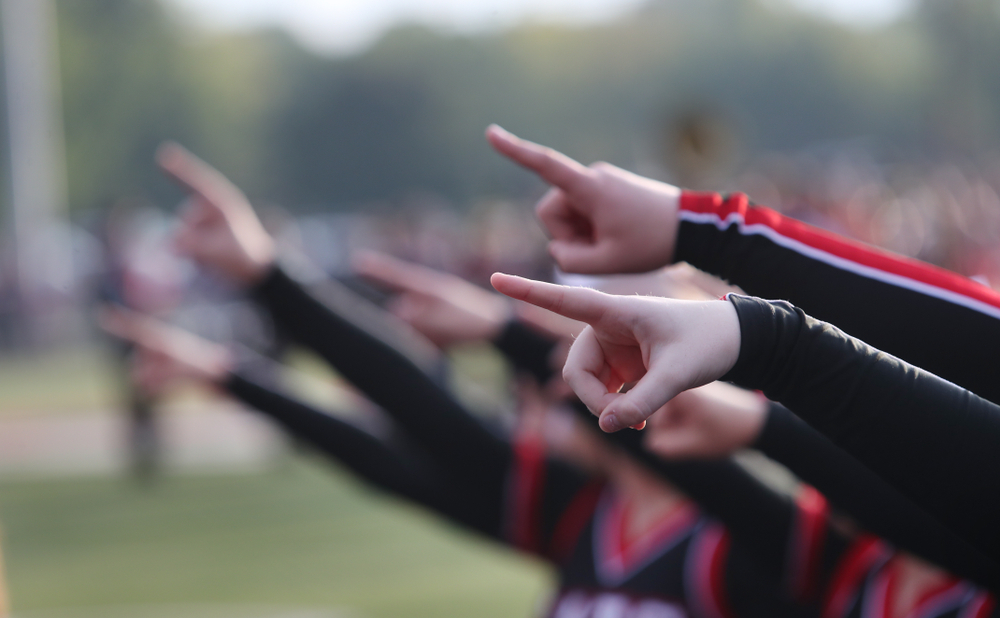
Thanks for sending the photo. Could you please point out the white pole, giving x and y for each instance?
(37, 149)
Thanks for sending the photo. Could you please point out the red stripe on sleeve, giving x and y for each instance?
(836, 250)
(806, 544)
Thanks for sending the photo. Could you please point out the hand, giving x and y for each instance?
(714, 420)
(600, 219)
(166, 355)
(665, 346)
(219, 228)
(446, 309)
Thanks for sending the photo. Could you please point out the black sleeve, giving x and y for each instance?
(929, 317)
(517, 487)
(876, 506)
(526, 349)
(386, 465)
(934, 441)
(334, 328)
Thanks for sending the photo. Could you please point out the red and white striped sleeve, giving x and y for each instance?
(928, 316)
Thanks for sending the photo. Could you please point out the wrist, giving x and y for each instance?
(257, 263)
(495, 318)
(753, 418)
(729, 332)
(216, 366)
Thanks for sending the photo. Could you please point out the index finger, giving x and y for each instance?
(128, 325)
(583, 304)
(194, 175)
(553, 166)
(396, 273)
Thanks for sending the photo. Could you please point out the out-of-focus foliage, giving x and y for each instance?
(406, 117)
(132, 76)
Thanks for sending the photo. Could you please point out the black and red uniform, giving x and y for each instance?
(687, 564)
(867, 576)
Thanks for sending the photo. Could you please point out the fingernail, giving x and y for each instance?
(609, 423)
(501, 132)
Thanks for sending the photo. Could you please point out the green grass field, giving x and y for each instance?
(58, 381)
(300, 536)
(302, 540)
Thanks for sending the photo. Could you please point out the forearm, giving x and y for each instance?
(384, 465)
(932, 440)
(883, 299)
(427, 412)
(876, 506)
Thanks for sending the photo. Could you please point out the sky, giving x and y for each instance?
(345, 26)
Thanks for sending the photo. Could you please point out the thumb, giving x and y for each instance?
(583, 304)
(648, 395)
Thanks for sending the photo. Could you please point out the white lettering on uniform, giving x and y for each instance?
(579, 604)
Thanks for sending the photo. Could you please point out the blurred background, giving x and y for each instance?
(359, 123)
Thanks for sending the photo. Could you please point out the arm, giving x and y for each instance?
(874, 504)
(932, 440)
(396, 470)
(525, 509)
(528, 493)
(428, 414)
(829, 277)
(718, 419)
(448, 310)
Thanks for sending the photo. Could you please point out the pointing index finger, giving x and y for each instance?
(553, 166)
(583, 304)
(399, 274)
(194, 175)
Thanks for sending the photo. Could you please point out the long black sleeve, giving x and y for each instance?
(934, 441)
(334, 328)
(929, 317)
(387, 466)
(876, 506)
(501, 478)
